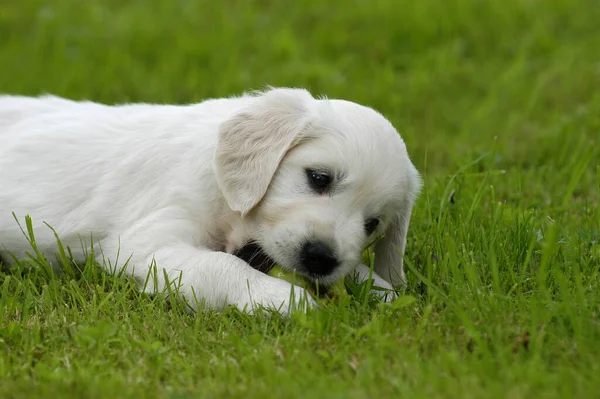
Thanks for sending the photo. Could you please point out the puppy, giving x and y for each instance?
(304, 183)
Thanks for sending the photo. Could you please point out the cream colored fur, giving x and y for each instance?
(186, 186)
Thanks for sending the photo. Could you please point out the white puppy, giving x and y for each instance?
(272, 177)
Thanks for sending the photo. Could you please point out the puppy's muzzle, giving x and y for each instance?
(318, 258)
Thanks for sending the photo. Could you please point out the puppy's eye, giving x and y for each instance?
(319, 181)
(371, 225)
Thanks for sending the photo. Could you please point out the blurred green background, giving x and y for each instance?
(451, 74)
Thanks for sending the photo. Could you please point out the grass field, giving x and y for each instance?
(499, 103)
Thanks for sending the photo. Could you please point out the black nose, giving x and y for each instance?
(318, 258)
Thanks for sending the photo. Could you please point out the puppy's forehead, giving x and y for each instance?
(368, 142)
(356, 120)
(361, 145)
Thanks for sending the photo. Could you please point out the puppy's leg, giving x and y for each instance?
(216, 279)
(202, 276)
(220, 279)
(385, 290)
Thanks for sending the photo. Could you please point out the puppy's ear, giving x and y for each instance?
(389, 250)
(252, 143)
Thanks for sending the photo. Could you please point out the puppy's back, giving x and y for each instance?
(14, 109)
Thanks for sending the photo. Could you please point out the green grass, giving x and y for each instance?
(499, 104)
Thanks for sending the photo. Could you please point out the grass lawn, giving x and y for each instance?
(499, 103)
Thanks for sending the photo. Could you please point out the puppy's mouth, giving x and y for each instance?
(255, 256)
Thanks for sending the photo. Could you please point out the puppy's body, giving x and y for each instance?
(187, 186)
(89, 169)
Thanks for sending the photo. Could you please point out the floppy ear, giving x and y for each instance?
(251, 144)
(389, 250)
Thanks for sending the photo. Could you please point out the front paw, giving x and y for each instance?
(385, 294)
(278, 295)
(380, 287)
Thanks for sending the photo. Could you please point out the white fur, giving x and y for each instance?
(185, 186)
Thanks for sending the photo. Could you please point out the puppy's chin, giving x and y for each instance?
(255, 256)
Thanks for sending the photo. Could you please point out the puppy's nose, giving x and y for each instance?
(318, 258)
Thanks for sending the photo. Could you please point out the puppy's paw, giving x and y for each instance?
(279, 295)
(386, 294)
(381, 288)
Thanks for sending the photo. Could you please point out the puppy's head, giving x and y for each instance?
(315, 181)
